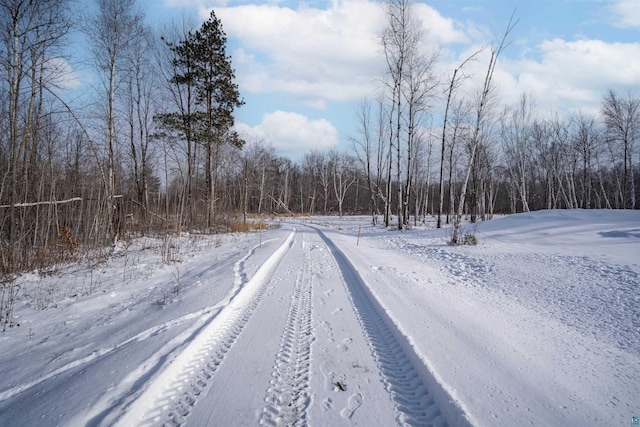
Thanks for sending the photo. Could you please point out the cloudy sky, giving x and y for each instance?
(302, 67)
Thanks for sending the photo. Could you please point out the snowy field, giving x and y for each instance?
(330, 321)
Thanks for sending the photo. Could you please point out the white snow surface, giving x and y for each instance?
(332, 321)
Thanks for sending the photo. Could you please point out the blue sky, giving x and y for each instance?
(302, 67)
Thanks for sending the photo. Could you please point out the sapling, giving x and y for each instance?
(176, 285)
(9, 290)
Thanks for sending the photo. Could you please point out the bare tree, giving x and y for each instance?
(31, 35)
(343, 176)
(176, 119)
(482, 108)
(113, 31)
(400, 42)
(418, 94)
(585, 141)
(422, 175)
(364, 147)
(141, 100)
(322, 165)
(622, 119)
(516, 132)
(370, 149)
(555, 157)
(459, 131)
(258, 160)
(308, 167)
(457, 78)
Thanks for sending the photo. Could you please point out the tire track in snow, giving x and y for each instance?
(96, 354)
(105, 410)
(288, 395)
(170, 396)
(199, 318)
(413, 400)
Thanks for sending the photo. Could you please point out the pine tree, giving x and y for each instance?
(202, 65)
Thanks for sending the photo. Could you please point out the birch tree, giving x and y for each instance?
(418, 94)
(622, 120)
(113, 32)
(141, 102)
(585, 139)
(459, 134)
(481, 111)
(516, 131)
(555, 157)
(370, 148)
(364, 147)
(31, 35)
(456, 80)
(343, 176)
(400, 42)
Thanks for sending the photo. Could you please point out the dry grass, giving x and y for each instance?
(274, 216)
(238, 226)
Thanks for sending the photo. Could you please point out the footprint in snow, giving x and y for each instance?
(329, 376)
(355, 400)
(345, 344)
(326, 404)
(329, 330)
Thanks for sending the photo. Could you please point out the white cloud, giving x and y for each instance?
(562, 76)
(291, 134)
(318, 55)
(313, 54)
(438, 28)
(574, 75)
(60, 74)
(625, 13)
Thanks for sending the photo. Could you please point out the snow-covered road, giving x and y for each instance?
(316, 325)
(334, 349)
(296, 341)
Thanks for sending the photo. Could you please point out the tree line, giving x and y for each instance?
(487, 157)
(153, 148)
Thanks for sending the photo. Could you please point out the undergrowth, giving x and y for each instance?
(239, 226)
(469, 240)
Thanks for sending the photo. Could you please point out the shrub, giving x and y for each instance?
(9, 290)
(470, 239)
(235, 226)
(238, 226)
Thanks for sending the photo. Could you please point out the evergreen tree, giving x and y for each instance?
(202, 65)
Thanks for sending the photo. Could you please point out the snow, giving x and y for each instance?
(331, 321)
